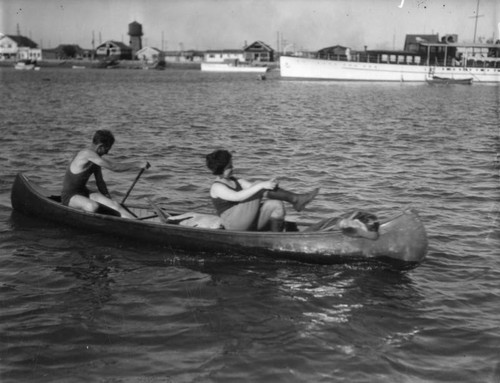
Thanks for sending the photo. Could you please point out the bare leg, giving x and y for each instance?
(83, 203)
(272, 213)
(98, 197)
(299, 201)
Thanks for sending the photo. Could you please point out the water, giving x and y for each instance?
(79, 307)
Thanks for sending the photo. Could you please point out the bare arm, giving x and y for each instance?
(115, 166)
(101, 185)
(84, 156)
(219, 190)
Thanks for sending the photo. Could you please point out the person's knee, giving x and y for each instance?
(91, 206)
(277, 208)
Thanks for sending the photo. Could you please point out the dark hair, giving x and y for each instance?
(104, 137)
(218, 160)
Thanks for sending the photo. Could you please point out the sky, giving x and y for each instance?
(229, 24)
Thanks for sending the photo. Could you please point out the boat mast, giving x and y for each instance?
(476, 17)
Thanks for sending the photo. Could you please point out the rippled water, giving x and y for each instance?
(80, 307)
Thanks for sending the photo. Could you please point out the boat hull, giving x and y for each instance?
(23, 66)
(223, 67)
(402, 241)
(320, 69)
(449, 81)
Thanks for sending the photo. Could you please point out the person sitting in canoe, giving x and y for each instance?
(90, 161)
(249, 206)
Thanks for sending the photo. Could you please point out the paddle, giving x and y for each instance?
(159, 212)
(148, 165)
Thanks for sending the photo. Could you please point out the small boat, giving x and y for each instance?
(401, 242)
(233, 66)
(448, 80)
(26, 65)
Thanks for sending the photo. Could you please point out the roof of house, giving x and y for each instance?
(118, 44)
(332, 48)
(258, 45)
(145, 49)
(22, 41)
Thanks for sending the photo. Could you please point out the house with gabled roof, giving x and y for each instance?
(338, 51)
(259, 51)
(15, 47)
(149, 55)
(114, 49)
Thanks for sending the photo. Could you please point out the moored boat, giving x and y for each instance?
(449, 80)
(233, 66)
(402, 239)
(419, 60)
(26, 65)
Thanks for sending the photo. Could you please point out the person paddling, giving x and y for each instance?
(243, 205)
(90, 161)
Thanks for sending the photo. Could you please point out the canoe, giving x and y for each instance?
(402, 240)
(449, 80)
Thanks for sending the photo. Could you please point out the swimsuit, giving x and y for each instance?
(238, 215)
(74, 184)
(221, 205)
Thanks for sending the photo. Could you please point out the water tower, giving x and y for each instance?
(135, 33)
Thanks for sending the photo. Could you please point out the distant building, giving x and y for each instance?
(337, 51)
(114, 49)
(185, 57)
(259, 51)
(18, 48)
(149, 55)
(224, 54)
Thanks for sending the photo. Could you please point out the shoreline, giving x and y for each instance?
(123, 64)
(98, 64)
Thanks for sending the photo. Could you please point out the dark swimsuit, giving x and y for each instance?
(221, 205)
(75, 184)
(238, 215)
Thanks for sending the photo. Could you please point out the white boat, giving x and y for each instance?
(26, 65)
(232, 66)
(481, 62)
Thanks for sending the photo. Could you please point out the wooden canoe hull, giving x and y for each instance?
(402, 239)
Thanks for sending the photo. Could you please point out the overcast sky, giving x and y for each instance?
(217, 24)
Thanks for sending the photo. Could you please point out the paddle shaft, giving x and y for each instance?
(133, 184)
